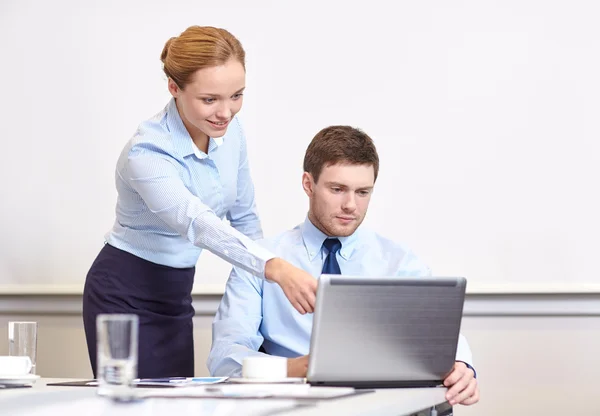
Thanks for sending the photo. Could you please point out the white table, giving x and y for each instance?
(42, 400)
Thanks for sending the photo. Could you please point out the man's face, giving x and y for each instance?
(339, 200)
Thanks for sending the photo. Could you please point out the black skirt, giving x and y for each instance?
(119, 282)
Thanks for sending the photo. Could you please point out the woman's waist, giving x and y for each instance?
(119, 273)
(165, 249)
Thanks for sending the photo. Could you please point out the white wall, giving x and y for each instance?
(484, 113)
(534, 355)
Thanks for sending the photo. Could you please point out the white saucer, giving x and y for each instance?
(18, 380)
(286, 380)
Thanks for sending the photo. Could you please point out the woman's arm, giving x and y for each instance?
(155, 178)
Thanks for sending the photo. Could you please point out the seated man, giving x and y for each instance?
(341, 166)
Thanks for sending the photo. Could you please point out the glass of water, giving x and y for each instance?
(117, 354)
(22, 341)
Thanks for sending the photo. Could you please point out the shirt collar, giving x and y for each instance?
(313, 240)
(181, 138)
(213, 144)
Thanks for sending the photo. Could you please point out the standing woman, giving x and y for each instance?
(183, 171)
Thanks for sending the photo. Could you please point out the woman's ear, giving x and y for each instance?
(174, 88)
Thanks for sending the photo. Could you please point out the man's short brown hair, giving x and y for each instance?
(340, 144)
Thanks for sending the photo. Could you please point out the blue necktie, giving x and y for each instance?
(331, 266)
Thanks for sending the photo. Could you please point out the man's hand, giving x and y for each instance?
(297, 367)
(299, 286)
(462, 385)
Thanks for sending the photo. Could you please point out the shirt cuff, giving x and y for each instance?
(260, 254)
(468, 366)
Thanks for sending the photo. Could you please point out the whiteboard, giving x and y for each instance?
(485, 115)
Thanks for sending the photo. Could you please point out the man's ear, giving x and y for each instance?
(174, 88)
(308, 184)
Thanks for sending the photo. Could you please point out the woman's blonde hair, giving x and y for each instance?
(196, 48)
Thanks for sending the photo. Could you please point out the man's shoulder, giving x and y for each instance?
(395, 252)
(382, 243)
(281, 245)
(283, 242)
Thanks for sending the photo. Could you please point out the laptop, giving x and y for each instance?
(386, 331)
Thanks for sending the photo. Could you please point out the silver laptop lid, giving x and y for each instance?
(374, 331)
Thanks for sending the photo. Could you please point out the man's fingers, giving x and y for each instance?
(456, 389)
(464, 393)
(454, 376)
(463, 382)
(473, 399)
(467, 393)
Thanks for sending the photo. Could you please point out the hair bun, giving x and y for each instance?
(165, 51)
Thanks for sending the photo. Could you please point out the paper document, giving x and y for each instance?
(255, 391)
(179, 381)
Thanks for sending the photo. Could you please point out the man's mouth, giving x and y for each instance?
(346, 218)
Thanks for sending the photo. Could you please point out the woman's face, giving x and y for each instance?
(208, 103)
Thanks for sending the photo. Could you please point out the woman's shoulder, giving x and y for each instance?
(152, 135)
